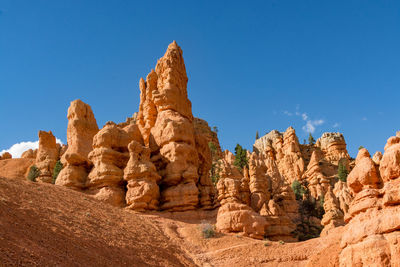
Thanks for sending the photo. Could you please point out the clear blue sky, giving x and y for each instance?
(251, 66)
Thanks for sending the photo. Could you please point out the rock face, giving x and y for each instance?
(286, 150)
(143, 192)
(233, 215)
(262, 190)
(333, 216)
(6, 155)
(47, 156)
(82, 127)
(319, 184)
(333, 146)
(110, 155)
(377, 157)
(29, 154)
(372, 235)
(166, 122)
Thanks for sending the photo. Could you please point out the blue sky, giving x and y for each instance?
(316, 65)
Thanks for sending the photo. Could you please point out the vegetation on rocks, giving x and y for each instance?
(33, 173)
(57, 168)
(241, 159)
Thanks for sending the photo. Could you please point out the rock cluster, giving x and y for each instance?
(233, 215)
(110, 156)
(47, 156)
(372, 236)
(82, 127)
(333, 146)
(166, 122)
(285, 148)
(262, 190)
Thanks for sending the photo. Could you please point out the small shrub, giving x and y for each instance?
(207, 230)
(57, 168)
(342, 172)
(298, 189)
(360, 147)
(267, 244)
(33, 173)
(281, 242)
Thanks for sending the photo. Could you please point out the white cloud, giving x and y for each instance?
(16, 150)
(364, 118)
(310, 125)
(335, 125)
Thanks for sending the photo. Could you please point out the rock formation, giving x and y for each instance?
(284, 147)
(262, 189)
(47, 156)
(372, 235)
(233, 215)
(143, 191)
(333, 216)
(343, 195)
(29, 154)
(82, 127)
(110, 155)
(333, 146)
(377, 157)
(6, 155)
(318, 183)
(166, 122)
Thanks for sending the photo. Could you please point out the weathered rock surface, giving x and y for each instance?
(377, 157)
(333, 146)
(234, 216)
(333, 216)
(47, 156)
(365, 174)
(6, 155)
(166, 122)
(110, 155)
(318, 183)
(82, 127)
(372, 235)
(143, 191)
(29, 154)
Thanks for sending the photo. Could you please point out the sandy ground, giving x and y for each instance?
(48, 225)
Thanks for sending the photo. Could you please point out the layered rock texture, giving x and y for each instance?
(110, 156)
(47, 156)
(82, 127)
(372, 235)
(260, 189)
(165, 119)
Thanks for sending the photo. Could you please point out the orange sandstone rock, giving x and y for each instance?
(6, 155)
(29, 154)
(143, 192)
(234, 216)
(390, 162)
(333, 146)
(110, 155)
(47, 156)
(82, 127)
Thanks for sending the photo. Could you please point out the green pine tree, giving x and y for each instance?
(257, 136)
(240, 157)
(311, 139)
